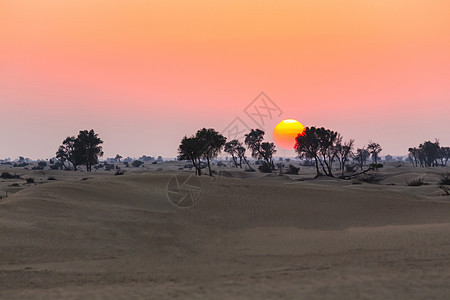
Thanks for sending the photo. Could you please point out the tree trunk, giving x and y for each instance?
(209, 166)
(234, 160)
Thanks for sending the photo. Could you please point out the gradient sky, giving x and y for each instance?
(145, 73)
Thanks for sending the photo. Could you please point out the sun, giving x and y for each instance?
(285, 133)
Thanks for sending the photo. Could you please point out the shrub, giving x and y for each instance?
(126, 164)
(19, 165)
(376, 166)
(265, 168)
(51, 178)
(119, 172)
(30, 180)
(350, 168)
(7, 175)
(415, 182)
(292, 170)
(42, 164)
(154, 163)
(446, 190)
(137, 163)
(445, 179)
(14, 184)
(370, 178)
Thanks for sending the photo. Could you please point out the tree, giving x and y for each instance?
(429, 153)
(211, 143)
(374, 149)
(444, 155)
(189, 149)
(320, 144)
(87, 149)
(260, 149)
(231, 148)
(66, 152)
(118, 158)
(344, 152)
(267, 152)
(361, 156)
(241, 154)
(307, 146)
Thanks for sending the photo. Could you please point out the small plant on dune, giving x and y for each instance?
(7, 175)
(292, 170)
(119, 172)
(137, 163)
(30, 180)
(265, 168)
(445, 179)
(51, 178)
(370, 178)
(416, 182)
(446, 190)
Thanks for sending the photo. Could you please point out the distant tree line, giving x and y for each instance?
(429, 154)
(207, 144)
(325, 147)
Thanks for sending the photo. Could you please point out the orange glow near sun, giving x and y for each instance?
(285, 133)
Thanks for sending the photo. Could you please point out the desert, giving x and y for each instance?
(250, 235)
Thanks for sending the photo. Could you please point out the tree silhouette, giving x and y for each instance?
(189, 149)
(374, 149)
(260, 150)
(320, 144)
(361, 156)
(211, 143)
(66, 153)
(241, 154)
(231, 148)
(118, 158)
(344, 152)
(87, 149)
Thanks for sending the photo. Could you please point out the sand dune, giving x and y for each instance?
(256, 237)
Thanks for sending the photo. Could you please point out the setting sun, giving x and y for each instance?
(285, 133)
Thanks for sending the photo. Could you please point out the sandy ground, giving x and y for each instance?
(249, 235)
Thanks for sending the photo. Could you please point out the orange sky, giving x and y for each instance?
(145, 73)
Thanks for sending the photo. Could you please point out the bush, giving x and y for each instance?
(7, 175)
(445, 179)
(446, 190)
(376, 166)
(350, 168)
(14, 184)
(370, 178)
(265, 168)
(42, 164)
(119, 172)
(154, 163)
(415, 182)
(137, 163)
(30, 180)
(19, 165)
(51, 178)
(126, 164)
(292, 170)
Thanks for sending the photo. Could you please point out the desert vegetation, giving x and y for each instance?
(429, 154)
(85, 149)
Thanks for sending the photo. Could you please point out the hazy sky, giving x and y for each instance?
(145, 73)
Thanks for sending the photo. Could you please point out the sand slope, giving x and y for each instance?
(257, 237)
